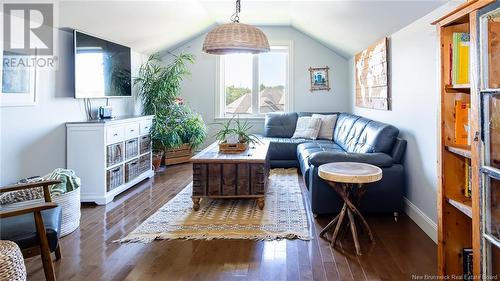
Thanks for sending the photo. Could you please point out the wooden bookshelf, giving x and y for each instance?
(458, 215)
(465, 88)
(463, 206)
(462, 151)
(458, 87)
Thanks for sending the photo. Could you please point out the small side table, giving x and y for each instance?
(343, 177)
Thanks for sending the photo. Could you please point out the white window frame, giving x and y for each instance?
(220, 89)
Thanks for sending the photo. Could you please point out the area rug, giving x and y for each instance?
(284, 216)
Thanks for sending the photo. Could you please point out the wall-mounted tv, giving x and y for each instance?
(102, 68)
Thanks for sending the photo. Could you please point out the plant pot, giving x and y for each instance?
(181, 154)
(157, 157)
(232, 148)
(232, 139)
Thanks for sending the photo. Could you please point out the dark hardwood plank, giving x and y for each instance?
(214, 179)
(89, 254)
(243, 183)
(229, 179)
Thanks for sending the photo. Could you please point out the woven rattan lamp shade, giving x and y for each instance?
(235, 38)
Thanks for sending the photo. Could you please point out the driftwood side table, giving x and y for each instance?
(347, 179)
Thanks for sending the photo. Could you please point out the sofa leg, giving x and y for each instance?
(396, 214)
(58, 252)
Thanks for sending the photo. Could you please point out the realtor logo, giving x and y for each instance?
(28, 29)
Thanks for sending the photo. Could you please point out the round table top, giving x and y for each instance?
(350, 172)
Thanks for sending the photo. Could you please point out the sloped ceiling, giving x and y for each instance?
(149, 26)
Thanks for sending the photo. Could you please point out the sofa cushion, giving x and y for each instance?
(307, 128)
(283, 148)
(362, 135)
(280, 125)
(305, 150)
(327, 126)
(21, 229)
(286, 148)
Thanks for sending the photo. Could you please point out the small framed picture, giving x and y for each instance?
(17, 80)
(319, 78)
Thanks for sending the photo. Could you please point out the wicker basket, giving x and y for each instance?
(11, 262)
(232, 148)
(70, 208)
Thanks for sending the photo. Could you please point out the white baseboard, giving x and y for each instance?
(421, 219)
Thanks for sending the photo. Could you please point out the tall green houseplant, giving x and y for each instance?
(159, 86)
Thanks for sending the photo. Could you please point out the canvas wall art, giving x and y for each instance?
(372, 77)
(18, 81)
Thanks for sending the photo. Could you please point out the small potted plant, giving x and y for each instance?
(242, 130)
(226, 134)
(235, 138)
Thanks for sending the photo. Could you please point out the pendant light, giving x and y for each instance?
(235, 37)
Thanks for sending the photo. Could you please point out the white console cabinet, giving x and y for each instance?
(109, 156)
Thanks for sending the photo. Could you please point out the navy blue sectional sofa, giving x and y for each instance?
(355, 139)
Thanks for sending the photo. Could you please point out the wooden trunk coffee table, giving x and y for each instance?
(241, 176)
(347, 179)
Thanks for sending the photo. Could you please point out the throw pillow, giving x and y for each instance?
(327, 125)
(307, 128)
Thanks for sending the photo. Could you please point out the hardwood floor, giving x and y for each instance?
(401, 248)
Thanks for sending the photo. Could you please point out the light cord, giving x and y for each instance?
(235, 18)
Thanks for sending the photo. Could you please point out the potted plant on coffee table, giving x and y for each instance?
(234, 136)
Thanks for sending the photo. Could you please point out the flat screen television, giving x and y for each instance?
(102, 68)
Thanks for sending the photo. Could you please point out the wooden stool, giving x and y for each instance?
(343, 177)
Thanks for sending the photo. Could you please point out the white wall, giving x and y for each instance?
(415, 91)
(199, 90)
(33, 138)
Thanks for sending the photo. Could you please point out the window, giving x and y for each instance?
(252, 85)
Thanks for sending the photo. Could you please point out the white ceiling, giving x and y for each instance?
(149, 26)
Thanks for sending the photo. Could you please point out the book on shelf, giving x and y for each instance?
(460, 58)
(462, 122)
(469, 131)
(468, 179)
(451, 64)
(467, 264)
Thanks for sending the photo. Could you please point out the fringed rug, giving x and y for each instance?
(284, 216)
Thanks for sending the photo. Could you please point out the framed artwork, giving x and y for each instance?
(372, 77)
(319, 78)
(18, 80)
